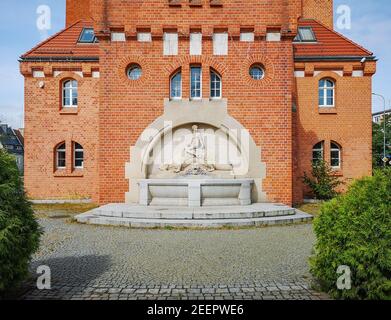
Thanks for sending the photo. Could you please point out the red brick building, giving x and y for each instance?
(301, 90)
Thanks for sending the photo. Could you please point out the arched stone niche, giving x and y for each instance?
(229, 147)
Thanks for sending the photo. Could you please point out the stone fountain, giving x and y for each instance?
(195, 182)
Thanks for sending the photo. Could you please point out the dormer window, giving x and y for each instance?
(87, 36)
(305, 34)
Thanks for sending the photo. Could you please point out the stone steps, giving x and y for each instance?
(135, 216)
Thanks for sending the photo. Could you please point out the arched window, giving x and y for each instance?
(215, 85)
(69, 94)
(61, 156)
(335, 155)
(78, 156)
(326, 93)
(176, 86)
(317, 152)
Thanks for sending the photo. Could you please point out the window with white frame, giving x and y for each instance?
(326, 93)
(61, 156)
(215, 85)
(134, 72)
(317, 152)
(70, 94)
(195, 82)
(176, 86)
(257, 72)
(78, 156)
(335, 155)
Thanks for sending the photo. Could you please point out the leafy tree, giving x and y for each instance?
(19, 230)
(378, 142)
(323, 182)
(354, 230)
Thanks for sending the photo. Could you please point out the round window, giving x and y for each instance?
(134, 72)
(257, 72)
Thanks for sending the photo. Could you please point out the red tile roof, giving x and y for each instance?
(65, 44)
(329, 43)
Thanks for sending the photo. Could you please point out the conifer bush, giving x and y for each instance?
(323, 182)
(354, 230)
(19, 230)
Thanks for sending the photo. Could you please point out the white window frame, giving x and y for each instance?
(325, 89)
(257, 66)
(171, 79)
(74, 155)
(318, 149)
(333, 149)
(71, 90)
(214, 87)
(191, 81)
(58, 151)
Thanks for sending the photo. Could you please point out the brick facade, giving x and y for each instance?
(113, 111)
(77, 10)
(320, 10)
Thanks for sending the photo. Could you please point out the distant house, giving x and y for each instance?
(378, 116)
(13, 141)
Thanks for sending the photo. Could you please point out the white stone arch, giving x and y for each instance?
(183, 112)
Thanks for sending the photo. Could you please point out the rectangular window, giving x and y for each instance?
(330, 97)
(220, 44)
(335, 162)
(247, 36)
(79, 159)
(144, 37)
(321, 97)
(195, 82)
(195, 44)
(118, 37)
(170, 44)
(61, 159)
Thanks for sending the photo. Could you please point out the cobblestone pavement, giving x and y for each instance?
(101, 263)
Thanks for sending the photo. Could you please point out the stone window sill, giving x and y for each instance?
(337, 172)
(65, 174)
(327, 110)
(69, 111)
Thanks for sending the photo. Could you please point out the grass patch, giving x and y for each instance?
(310, 208)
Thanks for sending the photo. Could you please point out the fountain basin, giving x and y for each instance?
(195, 192)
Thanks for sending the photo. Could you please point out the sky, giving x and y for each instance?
(370, 27)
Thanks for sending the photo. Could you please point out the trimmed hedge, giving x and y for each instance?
(19, 230)
(355, 230)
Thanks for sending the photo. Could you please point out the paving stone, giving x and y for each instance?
(100, 263)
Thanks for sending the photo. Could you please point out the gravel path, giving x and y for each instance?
(93, 262)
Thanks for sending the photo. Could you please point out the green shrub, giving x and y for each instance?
(19, 230)
(355, 230)
(324, 182)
